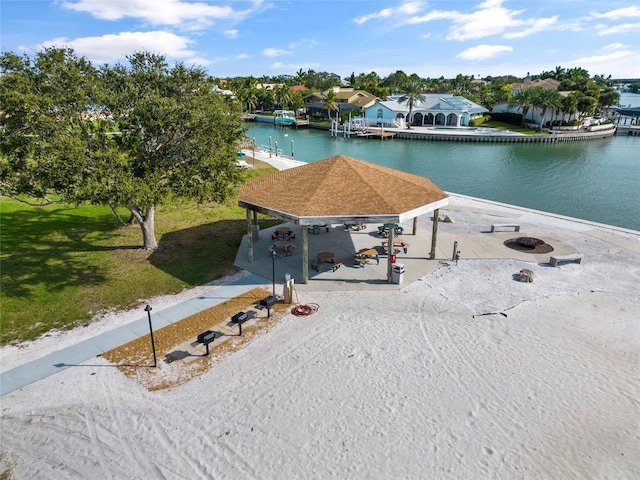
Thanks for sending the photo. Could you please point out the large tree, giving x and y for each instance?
(129, 136)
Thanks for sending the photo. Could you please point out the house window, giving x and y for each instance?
(380, 113)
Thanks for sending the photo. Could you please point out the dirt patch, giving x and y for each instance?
(180, 359)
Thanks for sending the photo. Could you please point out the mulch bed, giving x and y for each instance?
(179, 360)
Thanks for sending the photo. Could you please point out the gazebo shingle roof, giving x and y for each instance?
(340, 186)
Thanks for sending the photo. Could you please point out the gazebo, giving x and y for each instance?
(340, 190)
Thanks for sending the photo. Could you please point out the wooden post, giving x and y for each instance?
(434, 233)
(305, 254)
(255, 227)
(415, 225)
(249, 236)
(390, 239)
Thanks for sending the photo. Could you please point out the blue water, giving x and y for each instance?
(596, 180)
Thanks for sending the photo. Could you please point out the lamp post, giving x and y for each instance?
(292, 152)
(273, 270)
(153, 345)
(253, 150)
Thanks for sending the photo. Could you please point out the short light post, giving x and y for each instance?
(153, 344)
(292, 150)
(273, 271)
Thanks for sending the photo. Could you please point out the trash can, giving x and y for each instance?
(397, 273)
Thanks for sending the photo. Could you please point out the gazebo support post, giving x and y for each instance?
(391, 227)
(305, 254)
(256, 227)
(249, 236)
(434, 233)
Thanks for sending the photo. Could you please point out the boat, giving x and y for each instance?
(284, 117)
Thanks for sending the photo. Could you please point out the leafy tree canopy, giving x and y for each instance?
(125, 136)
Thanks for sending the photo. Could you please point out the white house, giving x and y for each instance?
(436, 109)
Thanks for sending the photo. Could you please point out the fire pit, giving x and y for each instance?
(528, 245)
(529, 242)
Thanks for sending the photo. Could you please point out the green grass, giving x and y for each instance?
(61, 265)
(508, 126)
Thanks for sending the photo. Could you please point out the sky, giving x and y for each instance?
(273, 37)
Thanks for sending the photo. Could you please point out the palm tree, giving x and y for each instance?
(547, 98)
(570, 104)
(283, 95)
(524, 99)
(331, 104)
(412, 92)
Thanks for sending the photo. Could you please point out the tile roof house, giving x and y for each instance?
(436, 109)
(548, 83)
(348, 99)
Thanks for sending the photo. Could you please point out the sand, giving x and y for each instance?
(464, 374)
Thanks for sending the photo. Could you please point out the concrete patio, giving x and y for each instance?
(471, 232)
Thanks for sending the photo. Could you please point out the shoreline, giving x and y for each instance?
(463, 373)
(466, 134)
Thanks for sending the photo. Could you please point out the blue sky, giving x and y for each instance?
(430, 38)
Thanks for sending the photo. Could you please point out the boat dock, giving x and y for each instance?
(628, 130)
(375, 133)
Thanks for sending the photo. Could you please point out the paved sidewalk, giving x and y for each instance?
(57, 361)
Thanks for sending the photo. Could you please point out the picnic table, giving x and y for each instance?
(384, 230)
(283, 233)
(327, 257)
(368, 253)
(283, 248)
(398, 244)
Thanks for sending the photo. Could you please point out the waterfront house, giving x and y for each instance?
(348, 100)
(437, 109)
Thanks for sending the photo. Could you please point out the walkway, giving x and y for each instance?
(43, 367)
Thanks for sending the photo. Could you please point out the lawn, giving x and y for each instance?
(508, 126)
(62, 265)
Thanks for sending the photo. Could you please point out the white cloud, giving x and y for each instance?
(293, 67)
(491, 18)
(536, 25)
(627, 12)
(622, 60)
(482, 52)
(231, 33)
(617, 29)
(242, 56)
(614, 46)
(111, 48)
(305, 42)
(409, 8)
(165, 12)
(274, 52)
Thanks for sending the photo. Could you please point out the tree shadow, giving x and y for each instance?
(44, 247)
(203, 253)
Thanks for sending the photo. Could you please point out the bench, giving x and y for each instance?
(317, 266)
(516, 228)
(316, 228)
(572, 257)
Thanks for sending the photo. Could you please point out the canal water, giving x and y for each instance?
(597, 180)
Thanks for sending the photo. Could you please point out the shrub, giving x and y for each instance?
(507, 117)
(479, 121)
